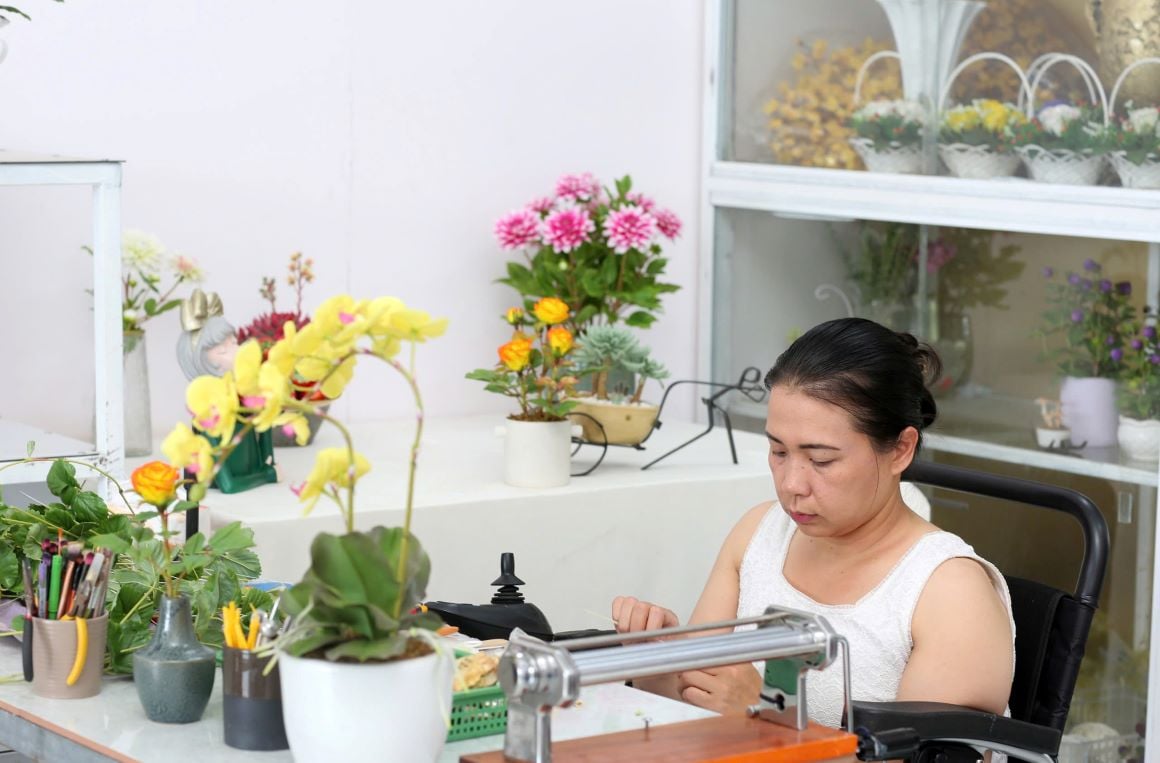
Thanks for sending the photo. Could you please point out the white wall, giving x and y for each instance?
(380, 138)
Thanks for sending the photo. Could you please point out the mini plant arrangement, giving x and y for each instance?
(1051, 433)
(1064, 143)
(1134, 147)
(599, 250)
(1086, 331)
(269, 328)
(888, 135)
(611, 415)
(356, 630)
(1139, 399)
(977, 140)
(535, 368)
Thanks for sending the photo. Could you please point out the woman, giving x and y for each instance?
(926, 618)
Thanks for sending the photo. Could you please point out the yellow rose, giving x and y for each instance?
(560, 340)
(515, 354)
(551, 310)
(156, 483)
(514, 315)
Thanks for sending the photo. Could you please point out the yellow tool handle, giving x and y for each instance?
(82, 651)
(252, 636)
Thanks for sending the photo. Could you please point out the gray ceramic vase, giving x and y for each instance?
(174, 672)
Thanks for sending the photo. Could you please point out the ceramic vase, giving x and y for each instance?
(1139, 440)
(378, 711)
(138, 421)
(1089, 411)
(174, 672)
(537, 453)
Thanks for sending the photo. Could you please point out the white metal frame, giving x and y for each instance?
(1012, 205)
(104, 177)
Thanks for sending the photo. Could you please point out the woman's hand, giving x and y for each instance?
(632, 615)
(729, 690)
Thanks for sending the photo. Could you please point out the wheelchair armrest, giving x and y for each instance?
(940, 721)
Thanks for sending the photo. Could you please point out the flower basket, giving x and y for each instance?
(988, 155)
(897, 159)
(1056, 164)
(1145, 172)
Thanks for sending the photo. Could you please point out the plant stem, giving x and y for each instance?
(409, 375)
(348, 510)
(170, 588)
(137, 606)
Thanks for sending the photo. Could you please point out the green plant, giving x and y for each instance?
(144, 265)
(982, 122)
(595, 248)
(1064, 127)
(607, 349)
(974, 276)
(1137, 134)
(1087, 322)
(882, 264)
(889, 123)
(210, 572)
(1139, 392)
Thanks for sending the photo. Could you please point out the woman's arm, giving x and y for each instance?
(963, 651)
(718, 600)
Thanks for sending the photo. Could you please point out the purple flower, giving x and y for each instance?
(1137, 344)
(1105, 286)
(1048, 272)
(1150, 332)
(1118, 355)
(1073, 279)
(1154, 360)
(1087, 284)
(1091, 265)
(1124, 288)
(1076, 315)
(1111, 340)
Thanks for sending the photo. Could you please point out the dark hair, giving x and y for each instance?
(876, 375)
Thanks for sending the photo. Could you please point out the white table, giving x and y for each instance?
(112, 726)
(653, 534)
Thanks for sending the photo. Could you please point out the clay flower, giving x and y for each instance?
(560, 340)
(629, 228)
(515, 354)
(518, 229)
(551, 310)
(156, 483)
(567, 229)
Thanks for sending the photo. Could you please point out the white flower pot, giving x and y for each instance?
(1146, 175)
(1089, 410)
(619, 423)
(1062, 166)
(1139, 440)
(371, 711)
(977, 162)
(537, 453)
(1051, 438)
(897, 160)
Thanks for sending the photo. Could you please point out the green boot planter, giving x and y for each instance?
(249, 465)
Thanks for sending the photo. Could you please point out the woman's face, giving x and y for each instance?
(828, 476)
(221, 355)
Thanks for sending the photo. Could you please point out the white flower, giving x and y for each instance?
(907, 110)
(1145, 119)
(130, 315)
(141, 250)
(1055, 119)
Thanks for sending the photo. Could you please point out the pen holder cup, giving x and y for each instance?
(54, 654)
(251, 702)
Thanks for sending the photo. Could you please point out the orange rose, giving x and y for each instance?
(156, 483)
(551, 310)
(515, 353)
(514, 315)
(560, 340)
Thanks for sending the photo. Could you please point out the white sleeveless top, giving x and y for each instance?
(877, 626)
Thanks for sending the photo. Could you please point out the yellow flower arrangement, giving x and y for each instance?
(983, 122)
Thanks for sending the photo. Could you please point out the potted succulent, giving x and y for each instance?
(360, 668)
(888, 135)
(1139, 431)
(1134, 146)
(616, 415)
(597, 249)
(1064, 143)
(1085, 332)
(536, 370)
(977, 139)
(270, 327)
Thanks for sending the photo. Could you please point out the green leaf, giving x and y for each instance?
(10, 576)
(61, 475)
(183, 506)
(89, 507)
(378, 649)
(640, 319)
(150, 306)
(29, 447)
(114, 543)
(232, 537)
(623, 185)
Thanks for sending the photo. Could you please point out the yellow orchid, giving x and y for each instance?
(332, 469)
(416, 325)
(189, 451)
(268, 396)
(341, 321)
(294, 425)
(213, 401)
(337, 379)
(247, 363)
(379, 313)
(281, 353)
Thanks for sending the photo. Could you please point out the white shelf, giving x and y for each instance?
(1008, 446)
(1012, 204)
(14, 439)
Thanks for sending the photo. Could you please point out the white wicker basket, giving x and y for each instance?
(1062, 165)
(977, 162)
(1132, 175)
(1074, 749)
(1119, 708)
(897, 159)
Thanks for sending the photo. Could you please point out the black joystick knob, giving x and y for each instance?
(508, 583)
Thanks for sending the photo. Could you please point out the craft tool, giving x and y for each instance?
(26, 638)
(54, 586)
(65, 587)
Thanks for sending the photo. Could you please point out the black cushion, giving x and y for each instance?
(937, 720)
(1033, 606)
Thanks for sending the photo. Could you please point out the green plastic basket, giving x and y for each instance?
(477, 713)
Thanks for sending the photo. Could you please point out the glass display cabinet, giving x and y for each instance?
(948, 168)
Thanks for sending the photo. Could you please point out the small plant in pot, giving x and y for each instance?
(888, 136)
(977, 140)
(270, 327)
(614, 412)
(1134, 145)
(1051, 433)
(535, 368)
(1139, 398)
(360, 668)
(1064, 143)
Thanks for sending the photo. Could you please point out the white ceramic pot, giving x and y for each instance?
(1140, 440)
(1051, 438)
(372, 711)
(1089, 410)
(537, 453)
